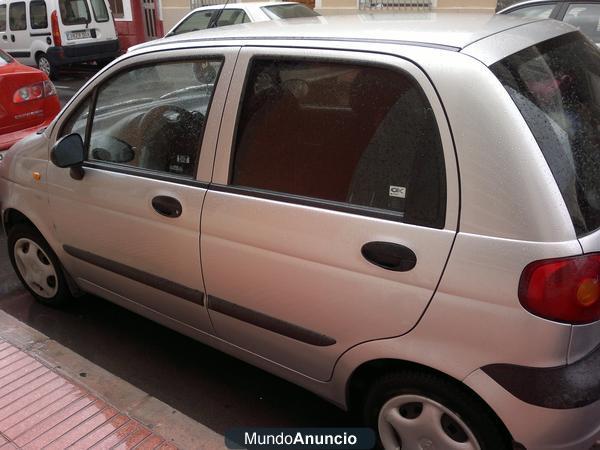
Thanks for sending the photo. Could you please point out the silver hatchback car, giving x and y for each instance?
(400, 215)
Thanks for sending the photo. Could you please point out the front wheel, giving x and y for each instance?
(37, 266)
(43, 63)
(422, 410)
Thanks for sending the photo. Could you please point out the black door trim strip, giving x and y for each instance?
(168, 286)
(20, 54)
(269, 323)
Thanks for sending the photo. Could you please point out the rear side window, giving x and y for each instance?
(586, 18)
(232, 17)
(16, 16)
(2, 17)
(199, 20)
(556, 86)
(347, 134)
(291, 11)
(100, 10)
(74, 12)
(534, 12)
(38, 15)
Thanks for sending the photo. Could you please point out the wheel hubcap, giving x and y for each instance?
(36, 268)
(44, 65)
(414, 422)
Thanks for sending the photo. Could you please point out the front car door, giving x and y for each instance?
(333, 207)
(130, 227)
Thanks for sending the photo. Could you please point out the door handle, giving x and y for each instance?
(167, 206)
(389, 256)
(12, 37)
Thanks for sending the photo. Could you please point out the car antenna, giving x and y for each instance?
(218, 16)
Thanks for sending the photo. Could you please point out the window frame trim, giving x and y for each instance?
(226, 150)
(226, 54)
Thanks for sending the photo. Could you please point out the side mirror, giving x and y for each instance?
(69, 151)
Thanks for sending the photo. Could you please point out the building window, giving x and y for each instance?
(116, 6)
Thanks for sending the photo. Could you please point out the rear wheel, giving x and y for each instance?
(422, 410)
(37, 266)
(43, 63)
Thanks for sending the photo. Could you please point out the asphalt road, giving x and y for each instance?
(214, 389)
(71, 80)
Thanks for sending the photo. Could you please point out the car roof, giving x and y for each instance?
(535, 2)
(448, 30)
(243, 5)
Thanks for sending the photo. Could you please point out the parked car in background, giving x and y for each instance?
(28, 100)
(401, 242)
(235, 13)
(585, 14)
(50, 34)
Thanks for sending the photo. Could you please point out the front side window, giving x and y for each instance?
(535, 12)
(291, 11)
(586, 18)
(100, 10)
(199, 20)
(74, 12)
(38, 15)
(17, 19)
(153, 117)
(77, 122)
(556, 86)
(344, 133)
(2, 17)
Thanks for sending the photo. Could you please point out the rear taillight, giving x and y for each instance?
(563, 289)
(34, 92)
(55, 29)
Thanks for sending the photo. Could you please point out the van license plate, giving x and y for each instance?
(72, 35)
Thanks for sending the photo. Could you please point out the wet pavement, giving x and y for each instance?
(208, 386)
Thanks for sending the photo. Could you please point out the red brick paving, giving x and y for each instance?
(41, 409)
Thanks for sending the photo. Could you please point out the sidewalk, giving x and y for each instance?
(52, 398)
(42, 409)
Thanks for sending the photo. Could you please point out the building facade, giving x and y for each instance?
(137, 21)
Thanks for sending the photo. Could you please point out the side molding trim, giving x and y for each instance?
(269, 323)
(162, 284)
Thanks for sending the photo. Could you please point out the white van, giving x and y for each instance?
(53, 33)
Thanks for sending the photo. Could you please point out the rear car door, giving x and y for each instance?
(130, 226)
(17, 43)
(333, 207)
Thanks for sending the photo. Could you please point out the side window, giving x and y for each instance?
(16, 16)
(586, 18)
(2, 17)
(231, 17)
(77, 121)
(153, 117)
(344, 133)
(100, 11)
(197, 21)
(537, 12)
(38, 15)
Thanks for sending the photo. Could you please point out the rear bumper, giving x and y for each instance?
(78, 53)
(545, 408)
(8, 139)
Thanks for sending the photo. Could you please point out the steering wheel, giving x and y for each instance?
(169, 139)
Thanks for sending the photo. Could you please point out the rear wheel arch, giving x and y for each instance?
(365, 375)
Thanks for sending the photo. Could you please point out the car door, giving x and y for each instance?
(129, 228)
(333, 206)
(17, 42)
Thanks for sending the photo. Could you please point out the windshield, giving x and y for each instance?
(74, 12)
(290, 11)
(556, 86)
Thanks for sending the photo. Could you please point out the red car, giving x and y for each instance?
(28, 101)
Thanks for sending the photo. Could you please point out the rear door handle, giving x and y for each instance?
(389, 256)
(12, 37)
(167, 206)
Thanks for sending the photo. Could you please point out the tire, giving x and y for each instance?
(431, 411)
(37, 266)
(43, 63)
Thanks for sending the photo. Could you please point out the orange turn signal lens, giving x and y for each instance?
(588, 292)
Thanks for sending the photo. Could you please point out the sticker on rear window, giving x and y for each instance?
(397, 191)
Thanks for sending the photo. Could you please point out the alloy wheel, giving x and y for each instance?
(36, 268)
